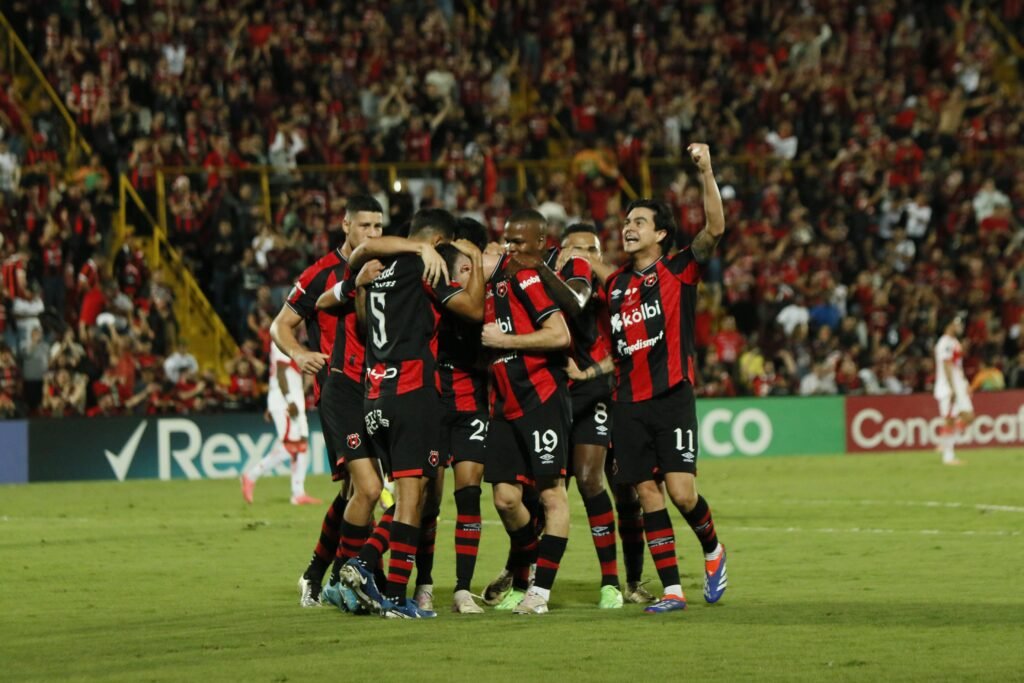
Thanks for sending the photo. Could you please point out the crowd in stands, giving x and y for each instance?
(868, 153)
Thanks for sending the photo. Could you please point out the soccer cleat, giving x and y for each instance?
(498, 588)
(309, 592)
(248, 486)
(360, 580)
(511, 599)
(532, 603)
(331, 595)
(668, 603)
(954, 461)
(611, 598)
(387, 496)
(463, 603)
(305, 500)
(424, 597)
(638, 595)
(404, 609)
(715, 579)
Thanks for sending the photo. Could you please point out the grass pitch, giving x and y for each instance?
(870, 568)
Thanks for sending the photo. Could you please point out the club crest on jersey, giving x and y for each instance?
(502, 288)
(353, 441)
(434, 458)
(651, 280)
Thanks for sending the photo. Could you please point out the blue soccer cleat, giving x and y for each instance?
(342, 597)
(360, 581)
(715, 579)
(668, 603)
(405, 609)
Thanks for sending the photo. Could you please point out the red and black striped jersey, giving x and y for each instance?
(521, 380)
(321, 327)
(10, 276)
(591, 336)
(402, 318)
(652, 316)
(462, 378)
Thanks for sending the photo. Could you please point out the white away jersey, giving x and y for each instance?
(948, 350)
(296, 393)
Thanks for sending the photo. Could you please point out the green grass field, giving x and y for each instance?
(868, 568)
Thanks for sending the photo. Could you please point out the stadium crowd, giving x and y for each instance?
(874, 175)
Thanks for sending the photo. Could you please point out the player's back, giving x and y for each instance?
(948, 350)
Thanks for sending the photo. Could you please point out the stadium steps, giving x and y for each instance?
(208, 337)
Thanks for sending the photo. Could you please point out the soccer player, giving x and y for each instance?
(652, 301)
(527, 437)
(336, 361)
(463, 380)
(286, 404)
(951, 389)
(402, 408)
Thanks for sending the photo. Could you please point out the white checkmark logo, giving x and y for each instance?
(123, 460)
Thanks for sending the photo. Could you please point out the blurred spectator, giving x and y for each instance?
(988, 377)
(820, 382)
(987, 200)
(35, 363)
(180, 363)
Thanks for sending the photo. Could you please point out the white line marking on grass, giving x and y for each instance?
(859, 530)
(985, 507)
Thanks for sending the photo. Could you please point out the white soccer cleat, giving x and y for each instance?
(532, 603)
(424, 597)
(463, 603)
(309, 592)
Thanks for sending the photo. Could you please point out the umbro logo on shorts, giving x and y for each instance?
(687, 456)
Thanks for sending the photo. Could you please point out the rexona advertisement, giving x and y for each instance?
(198, 447)
(910, 423)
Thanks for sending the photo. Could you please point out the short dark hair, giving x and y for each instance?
(472, 230)
(438, 221)
(663, 219)
(526, 216)
(574, 228)
(362, 202)
(450, 255)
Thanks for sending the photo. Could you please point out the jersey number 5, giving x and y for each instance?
(380, 333)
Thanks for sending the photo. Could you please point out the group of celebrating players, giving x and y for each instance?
(515, 365)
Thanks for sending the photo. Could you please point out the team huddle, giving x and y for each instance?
(514, 364)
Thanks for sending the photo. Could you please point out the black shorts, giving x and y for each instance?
(341, 417)
(464, 436)
(656, 436)
(591, 413)
(405, 432)
(532, 447)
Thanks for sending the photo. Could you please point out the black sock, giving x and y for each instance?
(549, 555)
(377, 544)
(699, 519)
(327, 544)
(425, 551)
(522, 554)
(602, 530)
(467, 535)
(404, 539)
(662, 542)
(352, 540)
(631, 530)
(531, 500)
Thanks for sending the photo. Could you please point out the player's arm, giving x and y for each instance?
(346, 289)
(468, 303)
(282, 331)
(947, 367)
(605, 366)
(704, 243)
(435, 270)
(602, 270)
(282, 382)
(553, 335)
(571, 296)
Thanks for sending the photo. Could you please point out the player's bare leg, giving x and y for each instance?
(468, 526)
(955, 426)
(518, 523)
(299, 451)
(588, 468)
(682, 489)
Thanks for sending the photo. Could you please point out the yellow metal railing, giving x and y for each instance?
(31, 86)
(209, 339)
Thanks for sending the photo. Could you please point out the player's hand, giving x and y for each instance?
(522, 262)
(573, 371)
(435, 270)
(492, 337)
(311, 362)
(369, 272)
(266, 416)
(293, 411)
(563, 257)
(467, 248)
(701, 155)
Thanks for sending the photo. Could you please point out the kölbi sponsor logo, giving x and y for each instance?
(870, 428)
(639, 314)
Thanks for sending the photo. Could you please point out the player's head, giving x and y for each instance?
(581, 239)
(472, 230)
(648, 223)
(364, 219)
(526, 232)
(459, 265)
(953, 325)
(432, 225)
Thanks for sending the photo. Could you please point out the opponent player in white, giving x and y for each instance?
(951, 389)
(286, 403)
